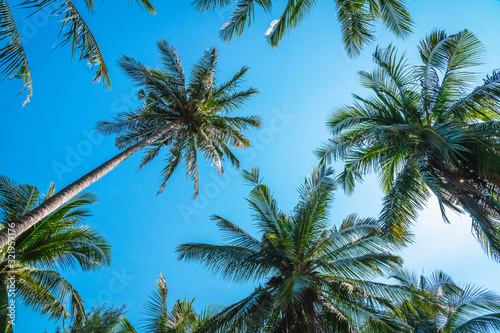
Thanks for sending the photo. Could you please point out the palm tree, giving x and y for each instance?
(74, 31)
(183, 118)
(424, 132)
(357, 19)
(59, 242)
(442, 306)
(182, 318)
(102, 319)
(316, 279)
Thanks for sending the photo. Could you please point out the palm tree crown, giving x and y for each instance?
(101, 319)
(61, 241)
(357, 19)
(182, 317)
(201, 110)
(439, 305)
(74, 30)
(424, 130)
(315, 279)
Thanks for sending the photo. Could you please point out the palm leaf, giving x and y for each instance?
(74, 30)
(13, 61)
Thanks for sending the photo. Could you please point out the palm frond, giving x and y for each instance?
(395, 17)
(155, 308)
(145, 4)
(242, 16)
(401, 205)
(204, 5)
(233, 263)
(74, 30)
(265, 208)
(13, 61)
(356, 24)
(48, 293)
(295, 11)
(172, 63)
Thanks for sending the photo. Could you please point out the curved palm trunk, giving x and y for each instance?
(58, 199)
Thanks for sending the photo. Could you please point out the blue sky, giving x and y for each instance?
(299, 83)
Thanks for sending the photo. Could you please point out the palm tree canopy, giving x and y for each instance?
(74, 31)
(60, 242)
(102, 319)
(425, 131)
(439, 305)
(182, 317)
(201, 110)
(314, 278)
(356, 17)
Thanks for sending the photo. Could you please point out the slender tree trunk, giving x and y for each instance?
(61, 197)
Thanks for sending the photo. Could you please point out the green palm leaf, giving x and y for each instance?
(356, 17)
(13, 59)
(74, 31)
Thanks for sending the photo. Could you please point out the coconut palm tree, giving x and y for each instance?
(439, 305)
(30, 265)
(315, 278)
(357, 19)
(183, 118)
(182, 317)
(423, 131)
(101, 319)
(74, 31)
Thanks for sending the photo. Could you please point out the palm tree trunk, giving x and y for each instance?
(54, 202)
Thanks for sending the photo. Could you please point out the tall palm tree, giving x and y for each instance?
(357, 19)
(315, 278)
(74, 31)
(184, 118)
(442, 306)
(423, 131)
(60, 242)
(182, 317)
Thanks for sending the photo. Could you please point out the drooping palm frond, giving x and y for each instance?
(294, 13)
(49, 294)
(241, 17)
(356, 22)
(74, 30)
(394, 15)
(146, 4)
(401, 205)
(13, 60)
